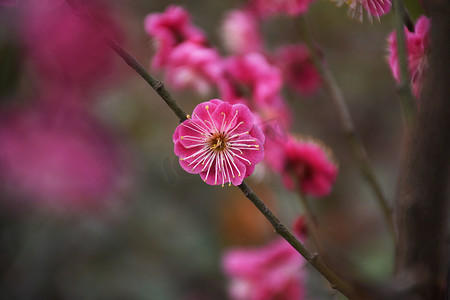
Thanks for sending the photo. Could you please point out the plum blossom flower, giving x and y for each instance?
(298, 69)
(59, 159)
(220, 142)
(67, 51)
(169, 29)
(268, 8)
(240, 32)
(308, 163)
(250, 79)
(374, 8)
(273, 271)
(417, 43)
(193, 66)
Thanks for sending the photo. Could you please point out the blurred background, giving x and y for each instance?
(93, 202)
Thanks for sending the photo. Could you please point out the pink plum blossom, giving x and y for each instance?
(67, 51)
(60, 159)
(240, 32)
(298, 69)
(169, 29)
(270, 272)
(220, 142)
(268, 8)
(307, 164)
(417, 43)
(195, 66)
(373, 8)
(250, 78)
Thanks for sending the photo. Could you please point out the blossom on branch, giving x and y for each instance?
(195, 66)
(250, 78)
(308, 164)
(417, 44)
(220, 142)
(270, 272)
(298, 69)
(240, 32)
(169, 29)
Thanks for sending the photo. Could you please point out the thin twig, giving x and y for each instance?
(312, 258)
(359, 152)
(312, 224)
(157, 85)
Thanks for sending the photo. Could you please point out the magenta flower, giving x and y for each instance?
(67, 51)
(195, 66)
(250, 79)
(418, 44)
(374, 8)
(169, 29)
(270, 272)
(220, 142)
(240, 32)
(308, 165)
(268, 8)
(298, 69)
(58, 159)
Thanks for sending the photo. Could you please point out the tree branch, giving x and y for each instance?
(312, 258)
(423, 201)
(157, 85)
(358, 149)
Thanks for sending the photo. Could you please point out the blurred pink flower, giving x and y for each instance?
(268, 8)
(11, 3)
(60, 159)
(195, 66)
(418, 44)
(310, 164)
(270, 272)
(220, 142)
(169, 29)
(66, 50)
(298, 69)
(240, 32)
(374, 8)
(250, 79)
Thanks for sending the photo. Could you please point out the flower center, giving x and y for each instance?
(218, 142)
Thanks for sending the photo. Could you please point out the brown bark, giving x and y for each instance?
(423, 199)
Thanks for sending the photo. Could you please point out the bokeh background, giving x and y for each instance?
(93, 203)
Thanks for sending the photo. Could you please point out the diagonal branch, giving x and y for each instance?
(158, 86)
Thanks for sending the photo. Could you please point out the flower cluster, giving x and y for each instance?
(248, 76)
(417, 44)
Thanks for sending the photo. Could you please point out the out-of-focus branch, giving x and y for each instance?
(422, 205)
(359, 152)
(157, 85)
(312, 224)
